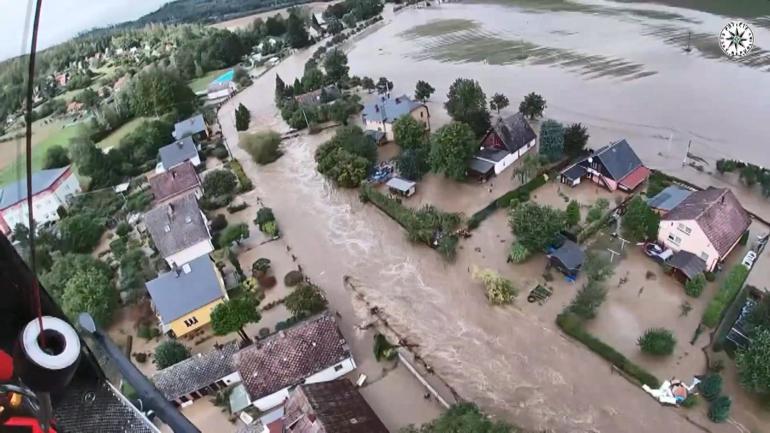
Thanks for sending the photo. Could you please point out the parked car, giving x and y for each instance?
(749, 258)
(657, 252)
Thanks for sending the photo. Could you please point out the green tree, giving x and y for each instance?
(536, 226)
(753, 365)
(657, 341)
(711, 386)
(55, 157)
(234, 233)
(296, 34)
(759, 318)
(640, 222)
(575, 139)
(81, 233)
(529, 167)
(719, 409)
(467, 103)
(588, 299)
(242, 118)
(451, 146)
(123, 229)
(234, 314)
(336, 65)
(280, 88)
(423, 90)
(519, 253)
(275, 25)
(412, 164)
(552, 140)
(219, 182)
(312, 79)
(170, 352)
(368, 84)
(532, 106)
(66, 266)
(89, 291)
(347, 158)
(573, 213)
(264, 215)
(305, 300)
(262, 146)
(499, 290)
(462, 418)
(384, 85)
(498, 102)
(409, 133)
(156, 91)
(694, 286)
(334, 27)
(260, 266)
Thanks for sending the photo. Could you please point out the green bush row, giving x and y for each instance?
(727, 292)
(572, 325)
(421, 225)
(243, 180)
(521, 194)
(594, 227)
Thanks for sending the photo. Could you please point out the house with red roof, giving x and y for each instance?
(614, 167)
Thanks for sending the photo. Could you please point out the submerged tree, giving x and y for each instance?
(451, 146)
(532, 106)
(575, 139)
(242, 118)
(499, 290)
(423, 90)
(552, 140)
(498, 102)
(467, 103)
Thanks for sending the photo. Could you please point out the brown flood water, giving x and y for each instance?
(513, 363)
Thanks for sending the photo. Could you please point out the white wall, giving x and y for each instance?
(188, 254)
(695, 242)
(232, 378)
(504, 163)
(44, 204)
(270, 401)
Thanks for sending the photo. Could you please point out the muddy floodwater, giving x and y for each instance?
(620, 68)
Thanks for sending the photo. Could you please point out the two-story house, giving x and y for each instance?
(177, 153)
(184, 297)
(179, 230)
(194, 127)
(507, 140)
(380, 114)
(176, 182)
(614, 167)
(708, 224)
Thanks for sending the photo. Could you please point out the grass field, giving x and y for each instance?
(113, 139)
(62, 136)
(200, 84)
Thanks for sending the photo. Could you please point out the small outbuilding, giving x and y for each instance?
(685, 265)
(568, 258)
(400, 186)
(668, 199)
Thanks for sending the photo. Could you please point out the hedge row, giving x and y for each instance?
(521, 194)
(572, 325)
(243, 180)
(594, 227)
(727, 292)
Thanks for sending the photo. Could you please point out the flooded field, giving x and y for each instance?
(594, 63)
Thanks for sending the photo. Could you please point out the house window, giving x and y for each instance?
(705, 257)
(191, 321)
(166, 229)
(338, 367)
(684, 229)
(674, 239)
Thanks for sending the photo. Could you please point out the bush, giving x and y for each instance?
(233, 208)
(657, 341)
(140, 357)
(169, 353)
(219, 222)
(730, 287)
(211, 203)
(694, 286)
(383, 349)
(219, 183)
(719, 409)
(710, 276)
(292, 278)
(270, 228)
(692, 400)
(262, 146)
(260, 266)
(588, 299)
(220, 153)
(118, 247)
(267, 281)
(243, 180)
(264, 215)
(123, 229)
(499, 290)
(711, 386)
(144, 331)
(139, 202)
(572, 325)
(263, 332)
(305, 300)
(519, 253)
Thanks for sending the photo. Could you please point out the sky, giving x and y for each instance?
(62, 19)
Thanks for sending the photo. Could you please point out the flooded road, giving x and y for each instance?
(514, 364)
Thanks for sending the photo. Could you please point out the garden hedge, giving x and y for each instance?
(521, 194)
(727, 292)
(572, 325)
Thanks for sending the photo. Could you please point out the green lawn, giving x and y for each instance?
(113, 139)
(200, 84)
(62, 136)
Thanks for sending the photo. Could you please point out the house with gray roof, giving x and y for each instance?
(200, 375)
(178, 152)
(666, 200)
(568, 258)
(614, 167)
(184, 297)
(179, 230)
(311, 351)
(507, 140)
(51, 189)
(194, 127)
(380, 113)
(708, 224)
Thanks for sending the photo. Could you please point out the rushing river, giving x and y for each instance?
(620, 69)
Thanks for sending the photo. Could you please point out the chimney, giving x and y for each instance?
(176, 269)
(376, 108)
(398, 100)
(173, 174)
(170, 210)
(179, 144)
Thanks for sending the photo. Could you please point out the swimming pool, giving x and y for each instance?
(227, 76)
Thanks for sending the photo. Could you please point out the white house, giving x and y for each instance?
(708, 224)
(380, 114)
(50, 190)
(179, 230)
(200, 375)
(177, 153)
(221, 90)
(309, 352)
(507, 140)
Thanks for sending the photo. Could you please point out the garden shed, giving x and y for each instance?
(568, 258)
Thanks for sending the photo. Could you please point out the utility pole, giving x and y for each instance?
(684, 161)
